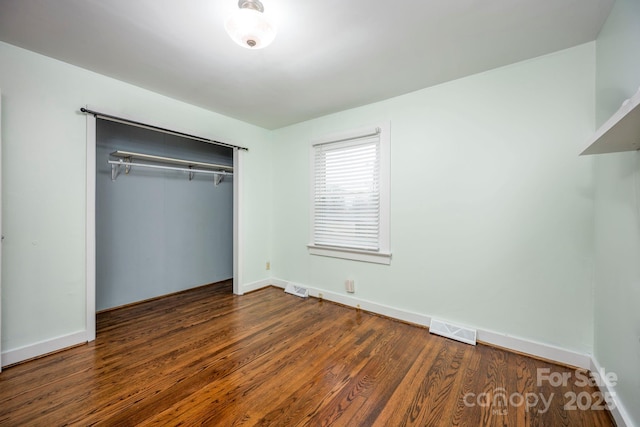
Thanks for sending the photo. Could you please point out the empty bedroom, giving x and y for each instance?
(275, 212)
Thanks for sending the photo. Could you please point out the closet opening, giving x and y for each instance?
(164, 217)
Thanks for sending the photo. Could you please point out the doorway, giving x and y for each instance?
(153, 232)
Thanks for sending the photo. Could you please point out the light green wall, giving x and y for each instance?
(617, 211)
(491, 208)
(43, 176)
(618, 61)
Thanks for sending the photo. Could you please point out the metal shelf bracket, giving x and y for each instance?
(115, 167)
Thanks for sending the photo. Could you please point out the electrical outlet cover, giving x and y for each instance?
(350, 286)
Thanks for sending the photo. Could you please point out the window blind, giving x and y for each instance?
(347, 194)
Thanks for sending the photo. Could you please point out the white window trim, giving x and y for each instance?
(383, 255)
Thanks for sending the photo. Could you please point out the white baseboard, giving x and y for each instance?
(385, 310)
(534, 348)
(510, 342)
(277, 282)
(254, 286)
(620, 414)
(27, 352)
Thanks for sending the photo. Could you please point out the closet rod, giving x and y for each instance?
(129, 155)
(158, 128)
(174, 168)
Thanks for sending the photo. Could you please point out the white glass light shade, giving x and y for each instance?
(250, 28)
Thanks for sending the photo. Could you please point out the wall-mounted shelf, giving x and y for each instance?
(621, 132)
(127, 161)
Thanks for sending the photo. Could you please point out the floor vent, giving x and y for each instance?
(454, 332)
(296, 290)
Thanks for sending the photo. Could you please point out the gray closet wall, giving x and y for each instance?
(156, 231)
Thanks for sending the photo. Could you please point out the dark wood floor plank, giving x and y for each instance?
(372, 383)
(208, 357)
(252, 390)
(69, 362)
(250, 386)
(207, 367)
(327, 373)
(427, 395)
(464, 412)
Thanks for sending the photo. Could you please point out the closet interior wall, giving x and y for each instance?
(157, 231)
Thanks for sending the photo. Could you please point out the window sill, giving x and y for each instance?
(351, 254)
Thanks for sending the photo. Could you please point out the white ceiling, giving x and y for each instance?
(329, 55)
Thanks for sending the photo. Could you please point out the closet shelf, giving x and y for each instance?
(170, 160)
(621, 132)
(127, 157)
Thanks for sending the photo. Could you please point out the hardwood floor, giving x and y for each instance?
(207, 357)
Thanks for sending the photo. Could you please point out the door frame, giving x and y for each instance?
(90, 242)
(1, 234)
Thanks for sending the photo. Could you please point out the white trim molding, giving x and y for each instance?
(352, 254)
(254, 286)
(534, 348)
(90, 230)
(238, 235)
(618, 411)
(43, 348)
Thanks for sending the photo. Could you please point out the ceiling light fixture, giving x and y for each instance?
(249, 27)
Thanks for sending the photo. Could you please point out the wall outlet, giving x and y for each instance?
(350, 285)
(268, 265)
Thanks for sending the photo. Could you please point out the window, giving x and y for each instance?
(350, 196)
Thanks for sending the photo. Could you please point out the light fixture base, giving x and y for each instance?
(251, 4)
